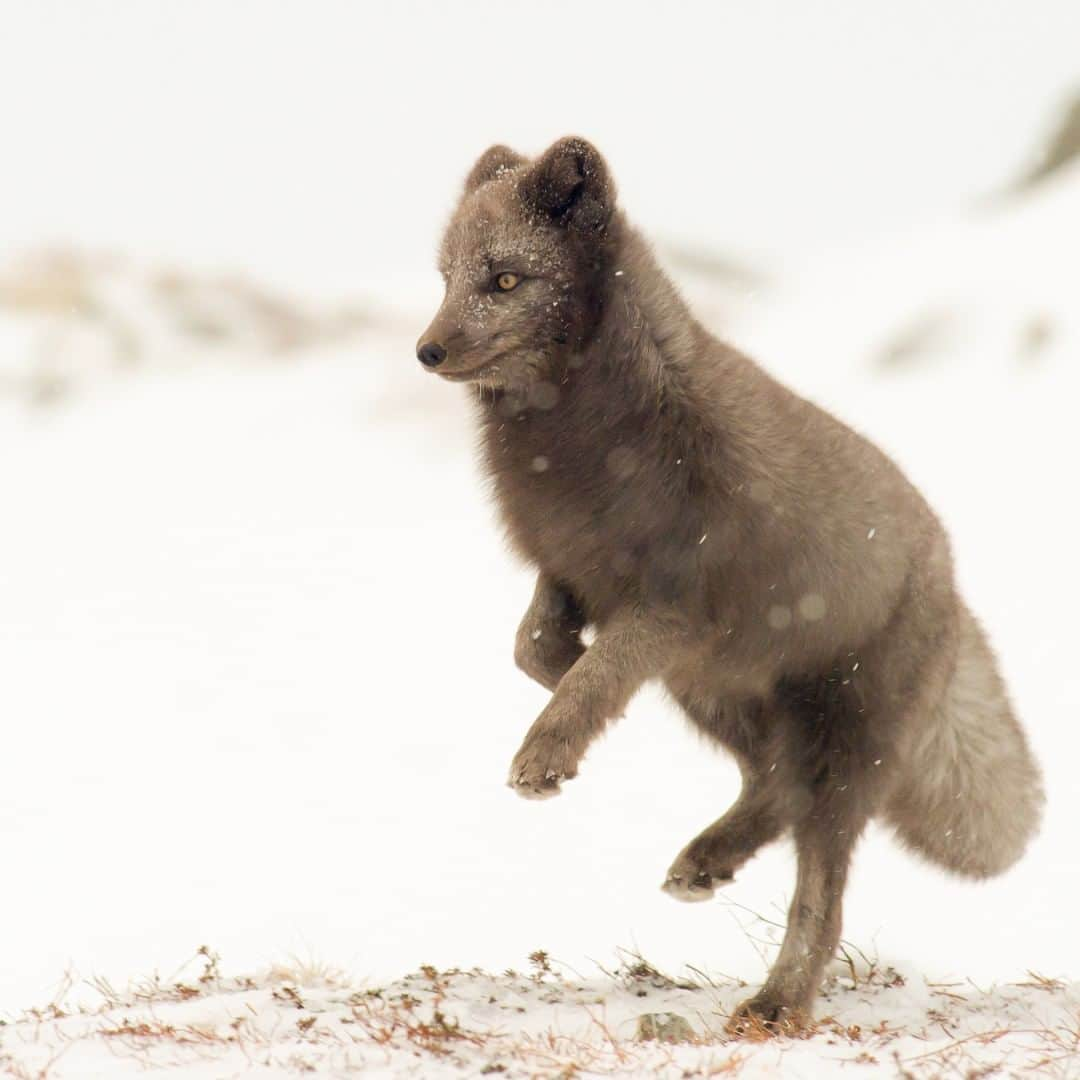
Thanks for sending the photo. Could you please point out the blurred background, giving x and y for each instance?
(256, 618)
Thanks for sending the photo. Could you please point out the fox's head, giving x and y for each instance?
(525, 261)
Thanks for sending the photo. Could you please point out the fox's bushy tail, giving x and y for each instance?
(971, 794)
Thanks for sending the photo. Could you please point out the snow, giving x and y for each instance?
(257, 620)
(545, 1021)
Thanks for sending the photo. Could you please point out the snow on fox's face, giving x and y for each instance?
(517, 260)
(508, 283)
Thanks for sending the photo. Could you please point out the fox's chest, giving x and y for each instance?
(563, 520)
(594, 516)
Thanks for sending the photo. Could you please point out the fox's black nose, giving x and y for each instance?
(431, 354)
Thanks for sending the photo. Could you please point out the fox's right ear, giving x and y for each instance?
(493, 161)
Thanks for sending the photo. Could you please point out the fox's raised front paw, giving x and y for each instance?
(765, 1015)
(544, 761)
(691, 880)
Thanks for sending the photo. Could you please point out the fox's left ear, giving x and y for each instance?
(570, 183)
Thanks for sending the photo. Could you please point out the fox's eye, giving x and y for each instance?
(507, 281)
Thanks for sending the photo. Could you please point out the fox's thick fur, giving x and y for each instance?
(774, 569)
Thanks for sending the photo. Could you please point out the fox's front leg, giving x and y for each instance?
(594, 691)
(548, 640)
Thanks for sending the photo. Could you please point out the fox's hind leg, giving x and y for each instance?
(852, 721)
(832, 796)
(712, 857)
(757, 736)
(824, 841)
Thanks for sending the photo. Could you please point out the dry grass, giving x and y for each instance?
(303, 1018)
(90, 314)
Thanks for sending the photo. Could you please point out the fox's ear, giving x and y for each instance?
(494, 160)
(570, 183)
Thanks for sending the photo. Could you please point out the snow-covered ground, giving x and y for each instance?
(543, 1021)
(256, 617)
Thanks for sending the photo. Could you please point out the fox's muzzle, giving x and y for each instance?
(430, 353)
(434, 344)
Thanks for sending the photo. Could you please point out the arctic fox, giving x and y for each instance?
(775, 570)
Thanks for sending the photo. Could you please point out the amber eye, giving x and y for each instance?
(507, 281)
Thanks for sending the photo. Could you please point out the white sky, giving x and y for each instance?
(324, 142)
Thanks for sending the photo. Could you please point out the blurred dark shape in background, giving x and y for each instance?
(1064, 147)
(85, 313)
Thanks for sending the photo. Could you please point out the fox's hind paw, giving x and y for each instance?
(695, 876)
(765, 1016)
(692, 886)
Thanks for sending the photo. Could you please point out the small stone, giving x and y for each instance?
(664, 1027)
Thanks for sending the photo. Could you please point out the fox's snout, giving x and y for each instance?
(430, 353)
(437, 340)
